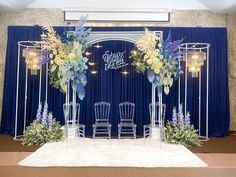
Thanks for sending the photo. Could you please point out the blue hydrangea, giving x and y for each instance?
(45, 56)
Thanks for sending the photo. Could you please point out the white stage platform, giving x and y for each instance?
(112, 153)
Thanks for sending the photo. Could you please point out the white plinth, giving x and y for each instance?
(155, 133)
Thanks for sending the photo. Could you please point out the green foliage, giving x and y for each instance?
(37, 134)
(138, 62)
(186, 135)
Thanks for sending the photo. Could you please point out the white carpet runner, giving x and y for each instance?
(112, 153)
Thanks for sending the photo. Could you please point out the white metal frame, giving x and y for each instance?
(22, 45)
(185, 48)
(130, 36)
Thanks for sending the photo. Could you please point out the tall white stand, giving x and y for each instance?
(74, 111)
(156, 130)
(202, 47)
(71, 124)
(22, 45)
(153, 105)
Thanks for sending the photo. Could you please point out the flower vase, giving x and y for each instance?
(156, 130)
(70, 128)
(160, 114)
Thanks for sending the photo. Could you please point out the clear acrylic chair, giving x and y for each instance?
(102, 127)
(147, 128)
(72, 126)
(126, 127)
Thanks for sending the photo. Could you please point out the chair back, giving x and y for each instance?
(126, 110)
(102, 111)
(71, 113)
(157, 112)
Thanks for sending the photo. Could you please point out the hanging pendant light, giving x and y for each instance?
(32, 59)
(195, 60)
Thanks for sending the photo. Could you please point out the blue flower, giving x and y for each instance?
(45, 114)
(174, 117)
(50, 120)
(68, 65)
(181, 116)
(39, 112)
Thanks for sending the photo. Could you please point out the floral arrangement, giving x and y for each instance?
(65, 57)
(160, 58)
(180, 130)
(44, 129)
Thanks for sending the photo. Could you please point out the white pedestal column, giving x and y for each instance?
(155, 133)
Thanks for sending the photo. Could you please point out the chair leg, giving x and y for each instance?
(94, 132)
(118, 132)
(109, 132)
(134, 130)
(83, 132)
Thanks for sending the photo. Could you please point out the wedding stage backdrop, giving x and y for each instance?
(110, 85)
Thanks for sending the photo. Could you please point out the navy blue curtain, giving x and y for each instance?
(114, 87)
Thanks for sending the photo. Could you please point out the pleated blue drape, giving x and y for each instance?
(112, 86)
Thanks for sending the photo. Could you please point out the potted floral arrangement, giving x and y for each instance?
(43, 129)
(180, 130)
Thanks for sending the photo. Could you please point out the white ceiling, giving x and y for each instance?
(218, 6)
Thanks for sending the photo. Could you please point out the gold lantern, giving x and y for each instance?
(32, 59)
(195, 60)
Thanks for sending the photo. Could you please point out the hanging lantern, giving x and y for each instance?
(32, 59)
(195, 60)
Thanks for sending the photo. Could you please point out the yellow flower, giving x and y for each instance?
(151, 55)
(71, 56)
(58, 60)
(51, 56)
(156, 66)
(54, 52)
(149, 61)
(157, 70)
(148, 41)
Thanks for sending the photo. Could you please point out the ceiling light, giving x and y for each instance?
(125, 73)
